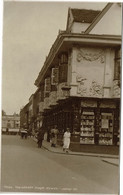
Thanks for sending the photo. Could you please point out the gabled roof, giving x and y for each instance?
(83, 15)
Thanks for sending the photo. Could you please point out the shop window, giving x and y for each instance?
(87, 127)
(106, 129)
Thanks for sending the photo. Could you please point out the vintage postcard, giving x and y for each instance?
(61, 97)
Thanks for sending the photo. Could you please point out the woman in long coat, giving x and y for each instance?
(66, 140)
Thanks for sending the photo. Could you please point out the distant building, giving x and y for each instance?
(24, 116)
(11, 122)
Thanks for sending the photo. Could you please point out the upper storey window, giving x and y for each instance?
(54, 76)
(47, 86)
(63, 67)
(64, 58)
(117, 64)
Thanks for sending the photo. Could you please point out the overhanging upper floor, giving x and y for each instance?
(65, 42)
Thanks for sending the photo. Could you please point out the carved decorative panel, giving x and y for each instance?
(93, 89)
(116, 89)
(90, 55)
(96, 89)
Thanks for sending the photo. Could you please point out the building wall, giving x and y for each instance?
(92, 71)
(24, 116)
(78, 27)
(114, 15)
(11, 121)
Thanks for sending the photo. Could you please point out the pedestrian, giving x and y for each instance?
(24, 133)
(7, 131)
(66, 140)
(40, 137)
(54, 134)
(52, 138)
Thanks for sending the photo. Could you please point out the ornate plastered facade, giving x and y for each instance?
(93, 73)
(90, 74)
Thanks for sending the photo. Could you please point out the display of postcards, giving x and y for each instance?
(87, 122)
(87, 140)
(86, 129)
(83, 117)
(110, 129)
(109, 134)
(91, 117)
(88, 113)
(91, 123)
(83, 123)
(106, 115)
(102, 135)
(104, 141)
(84, 133)
(104, 130)
(82, 128)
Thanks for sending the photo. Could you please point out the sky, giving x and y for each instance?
(29, 30)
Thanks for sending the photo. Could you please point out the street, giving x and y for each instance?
(26, 168)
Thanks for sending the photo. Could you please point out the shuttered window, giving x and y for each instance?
(117, 65)
(54, 76)
(47, 87)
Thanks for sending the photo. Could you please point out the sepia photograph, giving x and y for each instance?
(61, 97)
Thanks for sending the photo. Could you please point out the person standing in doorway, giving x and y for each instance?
(66, 140)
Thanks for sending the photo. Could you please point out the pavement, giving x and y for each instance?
(111, 159)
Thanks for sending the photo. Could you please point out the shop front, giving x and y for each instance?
(94, 123)
(99, 126)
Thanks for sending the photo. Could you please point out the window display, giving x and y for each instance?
(87, 128)
(106, 129)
